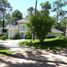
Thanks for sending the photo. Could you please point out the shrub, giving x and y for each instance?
(26, 43)
(50, 36)
(3, 37)
(17, 36)
(41, 24)
(21, 43)
(62, 37)
(28, 35)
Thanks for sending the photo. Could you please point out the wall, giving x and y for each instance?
(22, 28)
(0, 30)
(12, 31)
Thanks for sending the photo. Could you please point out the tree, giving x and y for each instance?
(63, 26)
(4, 9)
(60, 13)
(29, 31)
(41, 24)
(36, 6)
(17, 15)
(9, 19)
(30, 11)
(45, 5)
(58, 8)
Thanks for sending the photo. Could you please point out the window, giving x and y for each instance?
(22, 27)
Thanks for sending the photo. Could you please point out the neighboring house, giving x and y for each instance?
(21, 28)
(55, 32)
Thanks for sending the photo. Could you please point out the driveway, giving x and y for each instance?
(10, 43)
(30, 57)
(33, 58)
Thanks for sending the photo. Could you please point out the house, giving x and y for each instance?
(54, 33)
(0, 30)
(21, 28)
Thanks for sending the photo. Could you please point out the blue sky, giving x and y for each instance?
(23, 5)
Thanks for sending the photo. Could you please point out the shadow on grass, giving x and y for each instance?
(56, 44)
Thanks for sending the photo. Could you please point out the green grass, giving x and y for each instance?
(53, 43)
(5, 51)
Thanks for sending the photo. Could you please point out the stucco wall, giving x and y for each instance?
(12, 31)
(22, 28)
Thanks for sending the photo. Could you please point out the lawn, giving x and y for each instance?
(5, 51)
(52, 43)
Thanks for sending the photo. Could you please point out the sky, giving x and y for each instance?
(23, 5)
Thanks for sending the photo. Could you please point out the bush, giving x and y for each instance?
(62, 37)
(50, 36)
(17, 36)
(3, 37)
(41, 23)
(28, 35)
(26, 43)
(21, 43)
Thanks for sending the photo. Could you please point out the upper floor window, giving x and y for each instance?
(22, 27)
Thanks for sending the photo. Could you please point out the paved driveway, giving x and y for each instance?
(28, 57)
(10, 43)
(33, 58)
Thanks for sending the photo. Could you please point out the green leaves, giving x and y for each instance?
(41, 24)
(17, 14)
(46, 5)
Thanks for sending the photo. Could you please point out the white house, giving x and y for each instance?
(55, 32)
(12, 30)
(0, 30)
(20, 28)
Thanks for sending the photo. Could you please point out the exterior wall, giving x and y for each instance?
(0, 30)
(12, 31)
(54, 34)
(22, 28)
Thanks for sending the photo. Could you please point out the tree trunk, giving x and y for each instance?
(41, 40)
(3, 25)
(36, 6)
(65, 32)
